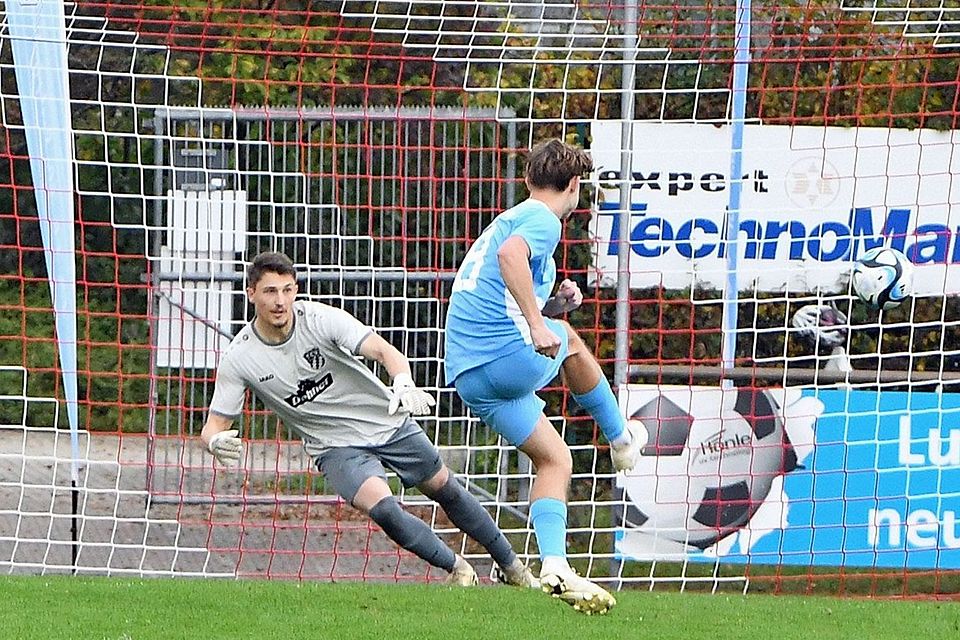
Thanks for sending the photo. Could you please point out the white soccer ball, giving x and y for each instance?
(882, 278)
(706, 468)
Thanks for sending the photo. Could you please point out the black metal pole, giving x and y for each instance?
(74, 528)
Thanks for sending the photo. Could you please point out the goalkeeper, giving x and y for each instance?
(299, 358)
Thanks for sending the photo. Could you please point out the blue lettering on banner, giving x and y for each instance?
(881, 488)
(653, 236)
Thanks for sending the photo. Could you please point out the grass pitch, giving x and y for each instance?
(124, 609)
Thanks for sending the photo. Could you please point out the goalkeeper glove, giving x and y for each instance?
(226, 447)
(406, 394)
(821, 325)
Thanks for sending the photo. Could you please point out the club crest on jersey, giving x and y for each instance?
(314, 358)
(308, 390)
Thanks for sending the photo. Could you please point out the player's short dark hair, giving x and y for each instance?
(269, 262)
(553, 164)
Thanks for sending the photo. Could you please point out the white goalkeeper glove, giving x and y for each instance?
(821, 324)
(406, 394)
(226, 447)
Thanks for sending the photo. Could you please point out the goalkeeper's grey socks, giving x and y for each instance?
(412, 533)
(468, 514)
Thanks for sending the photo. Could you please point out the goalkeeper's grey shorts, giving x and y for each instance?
(409, 453)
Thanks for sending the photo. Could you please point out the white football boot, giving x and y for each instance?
(516, 575)
(625, 457)
(580, 593)
(463, 575)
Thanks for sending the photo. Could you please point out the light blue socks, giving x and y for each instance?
(549, 519)
(602, 405)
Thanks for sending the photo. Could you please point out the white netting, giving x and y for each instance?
(104, 524)
(376, 202)
(935, 21)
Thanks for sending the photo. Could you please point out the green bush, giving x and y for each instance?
(112, 360)
(837, 74)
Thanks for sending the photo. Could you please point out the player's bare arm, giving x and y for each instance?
(567, 298)
(405, 392)
(374, 347)
(514, 259)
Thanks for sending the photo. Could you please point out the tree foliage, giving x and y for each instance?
(812, 64)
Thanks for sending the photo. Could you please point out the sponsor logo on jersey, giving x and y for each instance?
(308, 390)
(265, 378)
(314, 358)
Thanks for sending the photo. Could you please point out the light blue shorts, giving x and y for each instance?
(503, 393)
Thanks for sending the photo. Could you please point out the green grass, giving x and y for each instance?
(69, 607)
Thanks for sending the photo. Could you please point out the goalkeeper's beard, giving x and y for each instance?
(280, 319)
(277, 322)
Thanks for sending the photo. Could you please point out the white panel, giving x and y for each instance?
(183, 340)
(200, 221)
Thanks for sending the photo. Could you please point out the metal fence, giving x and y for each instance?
(374, 206)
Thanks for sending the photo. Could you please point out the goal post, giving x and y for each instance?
(372, 142)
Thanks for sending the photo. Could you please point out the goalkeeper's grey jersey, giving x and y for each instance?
(312, 381)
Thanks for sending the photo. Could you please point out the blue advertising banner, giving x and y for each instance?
(814, 477)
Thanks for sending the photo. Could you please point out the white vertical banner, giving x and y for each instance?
(39, 42)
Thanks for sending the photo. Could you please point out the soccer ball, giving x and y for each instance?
(708, 465)
(883, 278)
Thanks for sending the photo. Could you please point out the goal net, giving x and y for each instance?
(746, 159)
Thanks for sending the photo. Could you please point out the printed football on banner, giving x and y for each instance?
(711, 473)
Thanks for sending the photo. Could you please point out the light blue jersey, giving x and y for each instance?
(484, 321)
